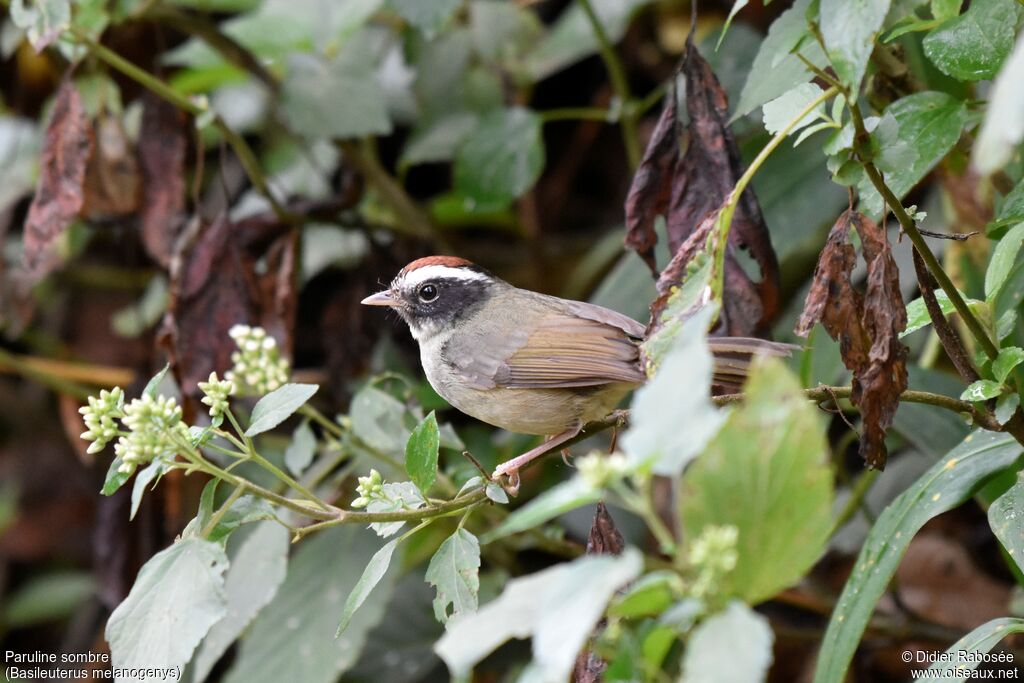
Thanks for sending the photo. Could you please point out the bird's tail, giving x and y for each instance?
(734, 355)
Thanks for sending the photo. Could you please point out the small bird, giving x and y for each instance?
(528, 362)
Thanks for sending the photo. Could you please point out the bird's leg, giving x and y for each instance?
(512, 466)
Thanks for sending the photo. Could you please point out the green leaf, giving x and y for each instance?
(672, 415)
(944, 486)
(928, 124)
(301, 449)
(558, 607)
(246, 510)
(849, 29)
(154, 470)
(292, 638)
(649, 596)
(375, 570)
(115, 479)
(1006, 406)
(1002, 129)
(154, 383)
(495, 493)
(179, 591)
(571, 38)
(737, 5)
(1006, 517)
(555, 501)
(972, 46)
(781, 505)
(917, 312)
(340, 98)
(455, 571)
(776, 69)
(1008, 358)
(1004, 256)
(438, 139)
(502, 158)
(278, 406)
(43, 22)
(257, 571)
(784, 108)
(733, 646)
(47, 598)
(421, 453)
(980, 640)
(429, 16)
(378, 419)
(945, 9)
(982, 390)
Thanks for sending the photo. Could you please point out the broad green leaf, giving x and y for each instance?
(917, 312)
(301, 449)
(42, 20)
(153, 471)
(179, 591)
(1008, 358)
(502, 158)
(1006, 406)
(246, 510)
(982, 390)
(784, 108)
(929, 124)
(1003, 128)
(115, 478)
(945, 9)
(504, 32)
(776, 69)
(278, 406)
(944, 486)
(683, 304)
(781, 501)
(737, 5)
(421, 453)
(733, 646)
(556, 501)
(378, 419)
(980, 640)
(374, 571)
(649, 596)
(454, 571)
(571, 38)
(154, 382)
(495, 493)
(292, 638)
(1004, 256)
(558, 607)
(438, 140)
(672, 415)
(429, 16)
(972, 46)
(340, 98)
(256, 572)
(402, 495)
(1006, 517)
(849, 28)
(1011, 210)
(48, 597)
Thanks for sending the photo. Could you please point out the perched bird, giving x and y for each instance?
(528, 362)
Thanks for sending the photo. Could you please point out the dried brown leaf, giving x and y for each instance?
(604, 539)
(162, 147)
(59, 194)
(112, 183)
(867, 326)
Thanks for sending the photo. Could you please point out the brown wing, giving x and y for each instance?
(570, 351)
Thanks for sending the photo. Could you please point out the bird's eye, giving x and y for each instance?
(428, 292)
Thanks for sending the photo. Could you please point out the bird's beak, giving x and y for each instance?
(380, 299)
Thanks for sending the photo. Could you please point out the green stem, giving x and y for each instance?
(910, 228)
(215, 520)
(729, 207)
(857, 493)
(578, 114)
(617, 75)
(322, 420)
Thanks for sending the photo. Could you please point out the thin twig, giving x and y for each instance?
(948, 337)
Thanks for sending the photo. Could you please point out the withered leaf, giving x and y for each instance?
(59, 194)
(604, 539)
(867, 326)
(228, 274)
(112, 184)
(696, 184)
(162, 147)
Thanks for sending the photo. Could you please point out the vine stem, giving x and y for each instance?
(215, 520)
(617, 75)
(910, 228)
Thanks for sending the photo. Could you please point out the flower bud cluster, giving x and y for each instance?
(216, 392)
(99, 418)
(152, 426)
(258, 366)
(712, 555)
(369, 488)
(600, 470)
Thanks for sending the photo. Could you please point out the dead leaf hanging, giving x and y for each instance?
(162, 147)
(867, 326)
(59, 193)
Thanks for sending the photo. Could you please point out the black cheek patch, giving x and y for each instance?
(456, 300)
